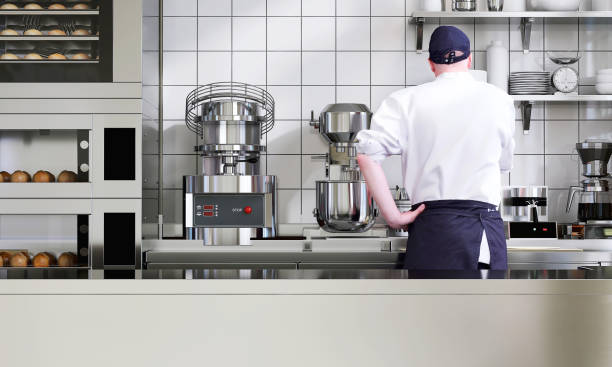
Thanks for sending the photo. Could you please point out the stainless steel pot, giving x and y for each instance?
(343, 206)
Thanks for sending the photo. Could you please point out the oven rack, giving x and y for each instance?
(50, 12)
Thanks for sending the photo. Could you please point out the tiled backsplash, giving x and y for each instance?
(309, 53)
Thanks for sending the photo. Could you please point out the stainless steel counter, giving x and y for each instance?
(276, 274)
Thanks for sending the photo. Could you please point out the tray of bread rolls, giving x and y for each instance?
(32, 32)
(20, 264)
(58, 7)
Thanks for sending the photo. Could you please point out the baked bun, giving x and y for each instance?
(33, 56)
(80, 7)
(67, 260)
(4, 258)
(8, 56)
(43, 176)
(57, 7)
(32, 32)
(80, 56)
(56, 32)
(81, 32)
(20, 176)
(43, 260)
(9, 32)
(5, 176)
(67, 176)
(32, 6)
(9, 6)
(57, 57)
(19, 260)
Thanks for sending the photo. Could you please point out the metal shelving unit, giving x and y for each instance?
(49, 12)
(49, 38)
(527, 19)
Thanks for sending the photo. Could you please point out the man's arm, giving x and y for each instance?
(505, 162)
(379, 189)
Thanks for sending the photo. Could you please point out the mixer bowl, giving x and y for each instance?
(343, 206)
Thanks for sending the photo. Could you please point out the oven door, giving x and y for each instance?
(57, 45)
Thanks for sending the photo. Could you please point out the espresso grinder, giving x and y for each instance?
(595, 200)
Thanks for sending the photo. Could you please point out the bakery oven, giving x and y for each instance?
(56, 41)
(70, 193)
(70, 239)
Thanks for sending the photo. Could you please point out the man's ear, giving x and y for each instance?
(432, 66)
(470, 61)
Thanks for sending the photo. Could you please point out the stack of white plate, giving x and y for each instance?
(604, 81)
(530, 82)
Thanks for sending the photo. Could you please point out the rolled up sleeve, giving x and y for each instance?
(383, 137)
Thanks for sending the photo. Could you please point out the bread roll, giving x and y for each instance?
(43, 260)
(5, 177)
(67, 176)
(80, 56)
(57, 57)
(67, 260)
(81, 32)
(43, 176)
(32, 32)
(19, 260)
(80, 7)
(32, 6)
(4, 258)
(56, 7)
(9, 32)
(33, 56)
(9, 6)
(56, 32)
(8, 56)
(20, 176)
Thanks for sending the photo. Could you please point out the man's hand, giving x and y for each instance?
(379, 189)
(406, 218)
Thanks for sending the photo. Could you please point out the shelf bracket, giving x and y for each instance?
(420, 23)
(526, 107)
(526, 25)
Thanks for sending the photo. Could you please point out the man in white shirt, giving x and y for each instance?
(455, 136)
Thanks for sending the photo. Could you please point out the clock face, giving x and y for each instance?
(565, 79)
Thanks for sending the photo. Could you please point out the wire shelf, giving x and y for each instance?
(208, 94)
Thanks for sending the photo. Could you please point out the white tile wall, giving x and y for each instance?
(309, 53)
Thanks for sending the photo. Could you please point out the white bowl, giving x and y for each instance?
(554, 5)
(604, 88)
(604, 78)
(604, 72)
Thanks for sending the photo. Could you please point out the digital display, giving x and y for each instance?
(607, 232)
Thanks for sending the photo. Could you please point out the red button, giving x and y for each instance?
(248, 210)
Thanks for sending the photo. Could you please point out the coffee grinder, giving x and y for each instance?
(595, 201)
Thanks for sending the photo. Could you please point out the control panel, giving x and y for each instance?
(229, 210)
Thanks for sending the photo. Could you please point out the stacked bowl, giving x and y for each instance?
(604, 81)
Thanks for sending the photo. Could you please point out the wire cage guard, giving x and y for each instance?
(199, 99)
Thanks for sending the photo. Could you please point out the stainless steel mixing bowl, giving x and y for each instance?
(343, 206)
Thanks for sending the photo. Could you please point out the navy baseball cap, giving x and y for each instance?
(445, 42)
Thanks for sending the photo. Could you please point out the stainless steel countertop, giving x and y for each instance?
(274, 274)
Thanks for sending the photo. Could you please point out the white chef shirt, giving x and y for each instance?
(455, 136)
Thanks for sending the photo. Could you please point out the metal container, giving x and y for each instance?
(495, 5)
(464, 5)
(340, 122)
(229, 210)
(595, 156)
(343, 206)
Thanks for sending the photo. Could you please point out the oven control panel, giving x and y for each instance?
(229, 210)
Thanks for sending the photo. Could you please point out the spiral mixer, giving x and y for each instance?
(231, 202)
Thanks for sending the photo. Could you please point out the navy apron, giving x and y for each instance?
(448, 234)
